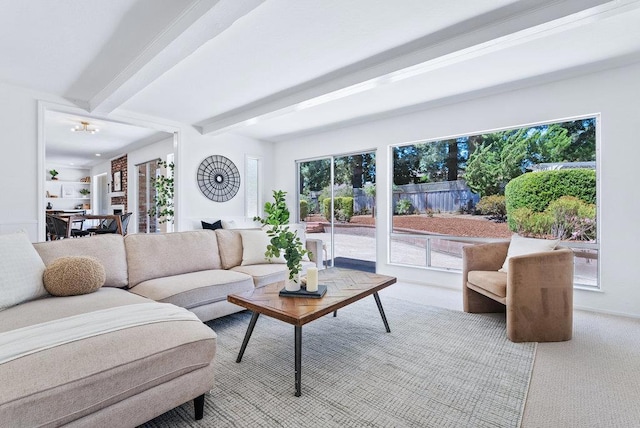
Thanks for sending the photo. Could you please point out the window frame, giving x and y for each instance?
(577, 245)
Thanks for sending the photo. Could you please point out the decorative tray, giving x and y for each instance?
(322, 289)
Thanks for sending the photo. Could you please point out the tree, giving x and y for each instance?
(502, 156)
(452, 160)
(405, 165)
(484, 172)
(315, 175)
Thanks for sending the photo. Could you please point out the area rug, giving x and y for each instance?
(437, 368)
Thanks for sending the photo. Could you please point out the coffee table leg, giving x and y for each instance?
(247, 335)
(384, 318)
(298, 334)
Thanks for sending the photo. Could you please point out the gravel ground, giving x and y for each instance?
(445, 224)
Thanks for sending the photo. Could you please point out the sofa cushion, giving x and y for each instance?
(492, 281)
(254, 247)
(22, 269)
(72, 276)
(520, 246)
(266, 274)
(230, 247)
(160, 255)
(194, 289)
(58, 385)
(108, 249)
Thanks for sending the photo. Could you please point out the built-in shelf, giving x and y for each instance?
(115, 194)
(68, 182)
(85, 199)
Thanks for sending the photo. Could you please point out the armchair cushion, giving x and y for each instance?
(493, 282)
(520, 246)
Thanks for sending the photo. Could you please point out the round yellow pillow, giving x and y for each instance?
(72, 276)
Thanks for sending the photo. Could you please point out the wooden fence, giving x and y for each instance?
(446, 196)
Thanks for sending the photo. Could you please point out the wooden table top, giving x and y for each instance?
(344, 286)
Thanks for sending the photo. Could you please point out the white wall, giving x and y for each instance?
(194, 205)
(19, 174)
(613, 94)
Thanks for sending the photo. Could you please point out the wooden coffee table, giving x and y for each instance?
(344, 286)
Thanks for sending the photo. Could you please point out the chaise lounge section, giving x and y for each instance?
(125, 377)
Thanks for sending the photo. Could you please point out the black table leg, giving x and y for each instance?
(247, 335)
(298, 334)
(384, 318)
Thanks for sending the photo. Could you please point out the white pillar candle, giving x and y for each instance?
(312, 279)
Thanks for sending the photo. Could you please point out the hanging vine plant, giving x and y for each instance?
(163, 199)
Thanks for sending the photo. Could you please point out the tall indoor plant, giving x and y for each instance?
(163, 199)
(284, 241)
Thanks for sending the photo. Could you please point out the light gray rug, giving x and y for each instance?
(437, 368)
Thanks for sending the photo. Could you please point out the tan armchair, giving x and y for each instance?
(536, 292)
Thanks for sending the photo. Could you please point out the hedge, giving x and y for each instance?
(342, 206)
(536, 190)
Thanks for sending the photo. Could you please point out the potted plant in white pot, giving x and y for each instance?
(284, 241)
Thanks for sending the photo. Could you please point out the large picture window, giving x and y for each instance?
(537, 181)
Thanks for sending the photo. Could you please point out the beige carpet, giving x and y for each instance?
(437, 368)
(592, 380)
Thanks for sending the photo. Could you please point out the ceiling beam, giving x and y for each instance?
(201, 22)
(489, 32)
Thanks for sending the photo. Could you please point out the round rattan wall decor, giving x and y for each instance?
(218, 178)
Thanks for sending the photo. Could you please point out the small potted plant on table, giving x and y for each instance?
(283, 240)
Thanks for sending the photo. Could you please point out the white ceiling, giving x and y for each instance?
(81, 149)
(276, 69)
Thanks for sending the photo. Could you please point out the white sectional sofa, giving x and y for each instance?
(128, 376)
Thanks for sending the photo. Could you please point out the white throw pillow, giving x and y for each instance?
(229, 224)
(22, 270)
(254, 245)
(520, 246)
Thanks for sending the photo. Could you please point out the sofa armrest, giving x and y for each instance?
(315, 247)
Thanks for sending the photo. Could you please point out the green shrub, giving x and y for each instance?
(536, 190)
(304, 209)
(566, 218)
(572, 219)
(493, 205)
(342, 208)
(403, 207)
(530, 223)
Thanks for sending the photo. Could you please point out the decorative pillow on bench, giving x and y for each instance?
(520, 246)
(22, 269)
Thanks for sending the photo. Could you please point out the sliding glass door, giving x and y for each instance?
(337, 201)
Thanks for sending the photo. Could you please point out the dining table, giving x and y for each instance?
(80, 217)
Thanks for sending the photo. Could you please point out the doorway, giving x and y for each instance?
(336, 199)
(79, 155)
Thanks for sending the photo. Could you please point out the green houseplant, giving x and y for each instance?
(163, 199)
(53, 173)
(283, 240)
